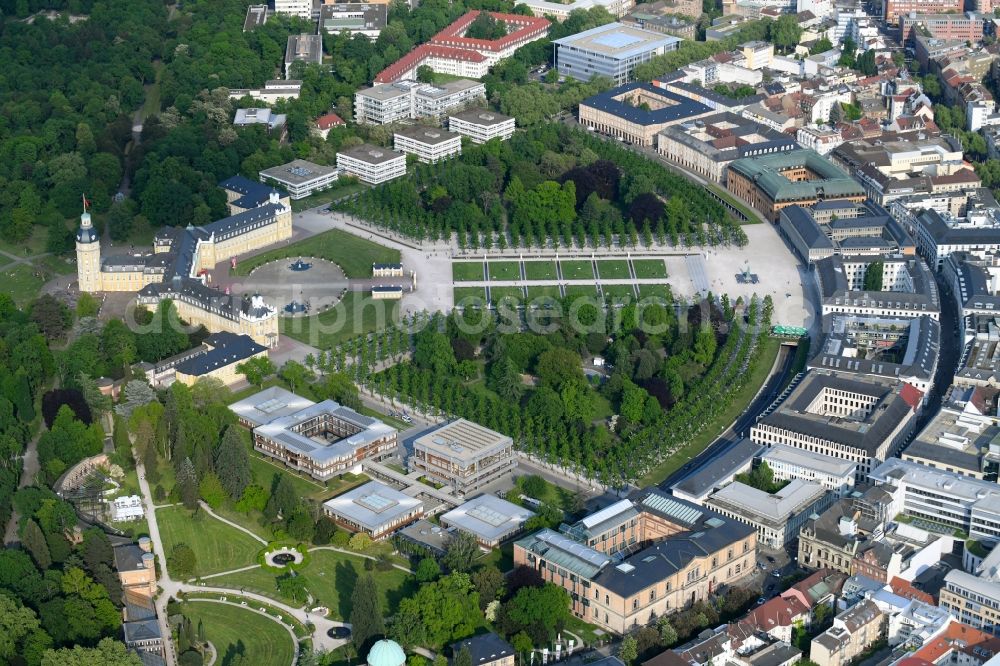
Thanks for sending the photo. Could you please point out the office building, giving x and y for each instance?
(966, 27)
(843, 227)
(489, 519)
(560, 11)
(904, 287)
(371, 164)
(894, 10)
(273, 91)
(939, 234)
(636, 112)
(855, 419)
(612, 50)
(356, 18)
(481, 125)
(769, 183)
(301, 8)
(721, 471)
(374, 509)
(429, 144)
(256, 17)
(778, 516)
(303, 48)
(254, 116)
(322, 439)
(463, 455)
(409, 100)
(300, 178)
(962, 437)
(788, 463)
(708, 145)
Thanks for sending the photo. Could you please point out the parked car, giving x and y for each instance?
(761, 600)
(339, 632)
(776, 573)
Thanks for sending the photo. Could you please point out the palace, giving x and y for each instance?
(178, 266)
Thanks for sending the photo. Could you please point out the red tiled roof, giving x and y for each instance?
(911, 395)
(961, 637)
(778, 612)
(329, 120)
(906, 590)
(415, 57)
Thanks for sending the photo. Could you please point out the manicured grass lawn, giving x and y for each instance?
(768, 353)
(217, 546)
(467, 271)
(613, 269)
(233, 629)
(649, 268)
(577, 269)
(62, 265)
(356, 314)
(581, 290)
(540, 291)
(330, 577)
(505, 270)
(21, 282)
(264, 472)
(512, 294)
(584, 630)
(618, 291)
(477, 294)
(540, 270)
(353, 254)
(662, 290)
(344, 189)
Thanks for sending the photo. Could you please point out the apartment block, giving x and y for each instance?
(481, 125)
(371, 164)
(429, 144)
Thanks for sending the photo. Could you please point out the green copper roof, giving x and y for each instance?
(765, 171)
(386, 653)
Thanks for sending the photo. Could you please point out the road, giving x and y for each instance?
(949, 353)
(773, 388)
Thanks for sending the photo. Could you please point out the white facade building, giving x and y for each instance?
(272, 92)
(301, 178)
(126, 508)
(407, 100)
(429, 144)
(776, 517)
(790, 463)
(481, 125)
(371, 164)
(300, 8)
(561, 11)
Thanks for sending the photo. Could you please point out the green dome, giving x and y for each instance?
(386, 653)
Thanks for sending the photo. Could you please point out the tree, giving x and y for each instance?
(366, 614)
(461, 551)
(628, 650)
(668, 635)
(558, 367)
(34, 541)
(463, 657)
(256, 370)
(187, 482)
(505, 380)
(360, 542)
(785, 32)
(232, 463)
(295, 374)
(442, 611)
(137, 393)
(484, 26)
(427, 570)
(293, 586)
(489, 583)
(874, 276)
(108, 652)
(425, 74)
(16, 624)
(283, 501)
(210, 489)
(182, 561)
(87, 305)
(53, 318)
(539, 611)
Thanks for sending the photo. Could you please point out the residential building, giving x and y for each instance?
(940, 234)
(946, 501)
(853, 632)
(303, 48)
(693, 551)
(408, 100)
(272, 92)
(778, 516)
(769, 183)
(322, 439)
(327, 122)
(788, 463)
(178, 267)
(708, 145)
(560, 11)
(843, 227)
(831, 540)
(821, 139)
(893, 10)
(981, 334)
(907, 289)
(776, 618)
(256, 17)
(300, 178)
(451, 52)
(371, 164)
(960, 644)
(374, 509)
(463, 455)
(489, 519)
(864, 421)
(721, 471)
(126, 508)
(481, 125)
(301, 8)
(612, 50)
(486, 650)
(622, 112)
(355, 18)
(253, 116)
(429, 144)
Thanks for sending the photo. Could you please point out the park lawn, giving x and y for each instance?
(355, 255)
(721, 422)
(356, 314)
(232, 629)
(35, 244)
(540, 270)
(543, 291)
(22, 282)
(581, 290)
(661, 290)
(330, 577)
(649, 268)
(217, 546)
(476, 294)
(511, 294)
(613, 269)
(59, 265)
(588, 632)
(577, 269)
(342, 189)
(505, 270)
(467, 271)
(619, 291)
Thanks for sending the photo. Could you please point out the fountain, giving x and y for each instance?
(298, 266)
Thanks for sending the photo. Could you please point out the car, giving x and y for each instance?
(776, 573)
(339, 632)
(761, 600)
(407, 418)
(770, 559)
(763, 567)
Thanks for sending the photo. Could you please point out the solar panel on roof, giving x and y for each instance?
(376, 503)
(487, 515)
(672, 508)
(271, 406)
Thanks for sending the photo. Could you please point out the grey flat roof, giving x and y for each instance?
(372, 505)
(463, 441)
(431, 136)
(308, 48)
(268, 405)
(761, 506)
(484, 117)
(708, 477)
(814, 461)
(371, 154)
(298, 172)
(488, 517)
(282, 430)
(617, 41)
